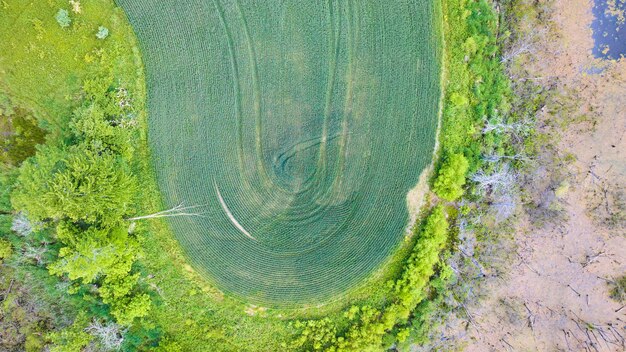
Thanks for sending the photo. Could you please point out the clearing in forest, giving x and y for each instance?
(296, 127)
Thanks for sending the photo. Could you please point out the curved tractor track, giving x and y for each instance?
(296, 128)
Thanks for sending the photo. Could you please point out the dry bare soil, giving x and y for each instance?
(555, 296)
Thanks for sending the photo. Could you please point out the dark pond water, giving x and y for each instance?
(609, 29)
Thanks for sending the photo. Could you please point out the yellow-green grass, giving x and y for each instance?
(42, 65)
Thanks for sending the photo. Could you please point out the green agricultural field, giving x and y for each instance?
(294, 130)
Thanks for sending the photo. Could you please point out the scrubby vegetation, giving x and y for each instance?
(618, 289)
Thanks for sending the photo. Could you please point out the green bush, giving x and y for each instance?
(451, 177)
(20, 136)
(618, 289)
(93, 126)
(168, 345)
(73, 338)
(6, 249)
(63, 18)
(92, 253)
(103, 32)
(78, 184)
(81, 185)
(34, 343)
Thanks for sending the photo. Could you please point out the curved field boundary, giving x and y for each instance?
(297, 126)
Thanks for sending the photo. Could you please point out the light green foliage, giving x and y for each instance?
(103, 32)
(93, 252)
(34, 343)
(103, 256)
(72, 338)
(79, 184)
(403, 335)
(90, 124)
(369, 325)
(168, 345)
(451, 177)
(63, 18)
(87, 185)
(316, 335)
(6, 249)
(33, 182)
(477, 88)
(420, 266)
(118, 291)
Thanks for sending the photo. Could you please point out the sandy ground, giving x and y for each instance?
(555, 296)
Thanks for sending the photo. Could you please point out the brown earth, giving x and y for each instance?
(555, 295)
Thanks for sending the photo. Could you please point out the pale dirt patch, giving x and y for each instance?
(555, 297)
(416, 197)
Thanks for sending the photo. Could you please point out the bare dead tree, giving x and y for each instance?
(500, 186)
(178, 210)
(497, 158)
(466, 245)
(21, 225)
(501, 180)
(591, 258)
(523, 45)
(30, 252)
(504, 206)
(111, 335)
(499, 126)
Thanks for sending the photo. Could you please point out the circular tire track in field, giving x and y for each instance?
(301, 124)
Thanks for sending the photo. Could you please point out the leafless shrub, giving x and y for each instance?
(498, 125)
(498, 158)
(504, 206)
(501, 180)
(523, 45)
(110, 335)
(21, 225)
(30, 252)
(500, 187)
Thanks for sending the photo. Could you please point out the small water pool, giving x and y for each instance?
(609, 29)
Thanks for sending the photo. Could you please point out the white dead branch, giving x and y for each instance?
(523, 45)
(179, 210)
(111, 335)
